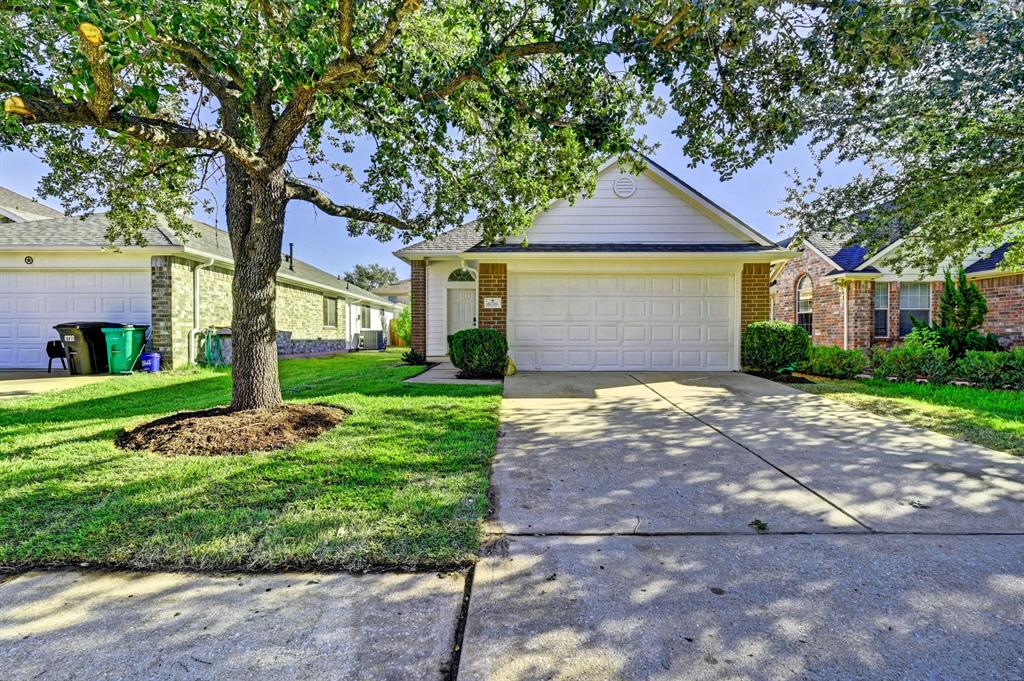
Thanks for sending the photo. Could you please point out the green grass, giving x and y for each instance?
(990, 418)
(399, 484)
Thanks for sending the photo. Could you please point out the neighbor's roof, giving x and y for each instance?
(25, 207)
(992, 262)
(205, 241)
(399, 288)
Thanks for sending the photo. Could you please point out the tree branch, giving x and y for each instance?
(102, 75)
(199, 64)
(476, 72)
(304, 192)
(346, 24)
(156, 131)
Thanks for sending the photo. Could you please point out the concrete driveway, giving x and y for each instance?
(720, 526)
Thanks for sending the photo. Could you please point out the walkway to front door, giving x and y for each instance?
(697, 526)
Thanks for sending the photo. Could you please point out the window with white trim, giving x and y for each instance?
(805, 304)
(915, 303)
(881, 309)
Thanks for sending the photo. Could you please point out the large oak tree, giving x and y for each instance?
(489, 107)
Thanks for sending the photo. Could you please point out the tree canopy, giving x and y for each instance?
(371, 276)
(944, 148)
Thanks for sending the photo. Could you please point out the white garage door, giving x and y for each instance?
(610, 322)
(32, 302)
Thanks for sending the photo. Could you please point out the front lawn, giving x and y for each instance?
(401, 483)
(990, 418)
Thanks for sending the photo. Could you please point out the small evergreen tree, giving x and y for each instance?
(403, 324)
(962, 307)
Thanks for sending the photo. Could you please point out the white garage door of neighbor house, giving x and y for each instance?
(609, 322)
(33, 301)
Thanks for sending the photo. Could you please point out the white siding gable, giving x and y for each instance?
(656, 213)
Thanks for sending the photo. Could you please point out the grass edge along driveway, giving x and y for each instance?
(400, 484)
(990, 418)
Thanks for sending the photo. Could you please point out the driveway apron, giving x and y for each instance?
(706, 526)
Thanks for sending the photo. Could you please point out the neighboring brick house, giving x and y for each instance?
(848, 298)
(57, 269)
(645, 274)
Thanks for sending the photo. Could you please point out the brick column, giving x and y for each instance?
(937, 287)
(418, 294)
(861, 317)
(493, 283)
(754, 304)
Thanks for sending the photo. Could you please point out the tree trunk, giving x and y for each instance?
(255, 211)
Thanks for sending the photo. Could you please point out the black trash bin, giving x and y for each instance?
(86, 346)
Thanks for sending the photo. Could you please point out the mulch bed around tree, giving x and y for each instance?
(220, 431)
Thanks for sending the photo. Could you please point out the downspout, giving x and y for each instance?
(195, 309)
(846, 315)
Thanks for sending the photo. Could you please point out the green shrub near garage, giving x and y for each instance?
(771, 346)
(479, 353)
(833, 362)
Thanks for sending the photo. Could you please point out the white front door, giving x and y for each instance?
(681, 322)
(461, 309)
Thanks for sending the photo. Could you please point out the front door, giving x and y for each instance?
(461, 309)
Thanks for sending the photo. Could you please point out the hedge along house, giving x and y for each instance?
(645, 274)
(58, 269)
(847, 298)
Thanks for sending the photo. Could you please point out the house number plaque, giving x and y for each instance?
(492, 303)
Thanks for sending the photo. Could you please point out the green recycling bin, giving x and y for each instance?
(124, 345)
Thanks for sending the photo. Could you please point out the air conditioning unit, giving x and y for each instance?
(372, 340)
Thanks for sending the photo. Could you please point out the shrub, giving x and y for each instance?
(992, 369)
(905, 362)
(833, 362)
(413, 357)
(938, 366)
(403, 324)
(771, 346)
(924, 336)
(479, 353)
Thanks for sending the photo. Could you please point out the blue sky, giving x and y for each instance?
(323, 240)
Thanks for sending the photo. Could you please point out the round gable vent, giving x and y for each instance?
(624, 186)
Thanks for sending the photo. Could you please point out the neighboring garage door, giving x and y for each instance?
(609, 322)
(33, 301)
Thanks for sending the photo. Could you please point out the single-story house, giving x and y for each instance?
(645, 274)
(848, 298)
(397, 292)
(57, 269)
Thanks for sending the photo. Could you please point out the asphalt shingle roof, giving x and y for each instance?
(992, 262)
(22, 204)
(621, 248)
(91, 231)
(457, 240)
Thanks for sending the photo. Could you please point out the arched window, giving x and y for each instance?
(805, 304)
(462, 274)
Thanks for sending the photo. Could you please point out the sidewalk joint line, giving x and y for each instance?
(748, 449)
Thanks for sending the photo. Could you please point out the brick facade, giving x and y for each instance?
(755, 305)
(493, 283)
(298, 313)
(1005, 297)
(418, 291)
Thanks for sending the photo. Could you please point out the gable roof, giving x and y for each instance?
(206, 241)
(23, 207)
(467, 237)
(991, 262)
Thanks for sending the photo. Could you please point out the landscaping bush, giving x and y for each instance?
(938, 366)
(962, 311)
(771, 346)
(993, 369)
(479, 353)
(403, 325)
(832, 362)
(413, 357)
(905, 362)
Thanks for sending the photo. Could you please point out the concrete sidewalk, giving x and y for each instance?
(23, 383)
(115, 625)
